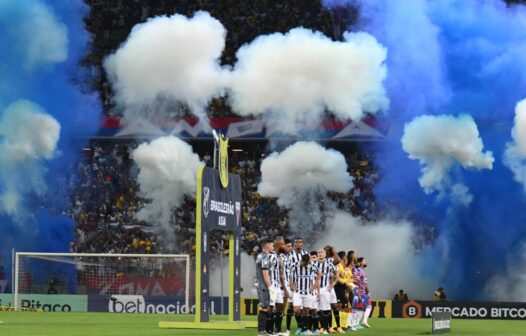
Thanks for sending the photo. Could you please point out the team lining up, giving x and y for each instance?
(320, 284)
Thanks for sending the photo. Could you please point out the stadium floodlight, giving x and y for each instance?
(137, 283)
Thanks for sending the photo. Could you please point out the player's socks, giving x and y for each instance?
(278, 319)
(262, 321)
(327, 320)
(290, 313)
(360, 316)
(366, 316)
(299, 321)
(315, 320)
(343, 319)
(322, 317)
(355, 321)
(336, 313)
(307, 322)
(270, 323)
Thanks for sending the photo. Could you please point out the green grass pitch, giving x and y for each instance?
(102, 324)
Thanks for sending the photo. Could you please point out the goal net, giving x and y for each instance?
(120, 283)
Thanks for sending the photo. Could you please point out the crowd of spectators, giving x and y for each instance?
(110, 23)
(106, 198)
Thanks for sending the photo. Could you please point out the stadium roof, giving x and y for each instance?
(243, 128)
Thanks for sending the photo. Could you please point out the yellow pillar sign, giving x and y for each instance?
(223, 160)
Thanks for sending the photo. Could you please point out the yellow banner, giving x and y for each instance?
(223, 161)
(11, 308)
(382, 309)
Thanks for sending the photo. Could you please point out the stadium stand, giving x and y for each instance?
(106, 198)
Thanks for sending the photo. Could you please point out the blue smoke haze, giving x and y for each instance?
(454, 56)
(55, 85)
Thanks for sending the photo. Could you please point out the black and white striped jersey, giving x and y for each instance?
(283, 270)
(274, 270)
(294, 259)
(304, 277)
(326, 269)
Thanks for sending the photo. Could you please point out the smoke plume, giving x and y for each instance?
(292, 78)
(300, 176)
(439, 143)
(167, 172)
(167, 60)
(509, 286)
(450, 57)
(515, 154)
(39, 102)
(29, 136)
(49, 46)
(43, 94)
(388, 249)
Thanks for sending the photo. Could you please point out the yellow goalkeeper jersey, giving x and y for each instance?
(344, 274)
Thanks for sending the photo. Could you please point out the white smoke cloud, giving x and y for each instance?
(169, 58)
(301, 167)
(300, 177)
(509, 286)
(515, 154)
(167, 172)
(29, 135)
(441, 142)
(293, 77)
(388, 247)
(40, 35)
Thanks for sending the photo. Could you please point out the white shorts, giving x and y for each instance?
(334, 299)
(314, 302)
(290, 294)
(279, 297)
(325, 299)
(302, 300)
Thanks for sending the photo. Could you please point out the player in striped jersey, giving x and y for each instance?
(298, 252)
(302, 284)
(368, 305)
(273, 268)
(287, 261)
(293, 259)
(314, 320)
(361, 291)
(357, 294)
(327, 281)
(280, 283)
(277, 279)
